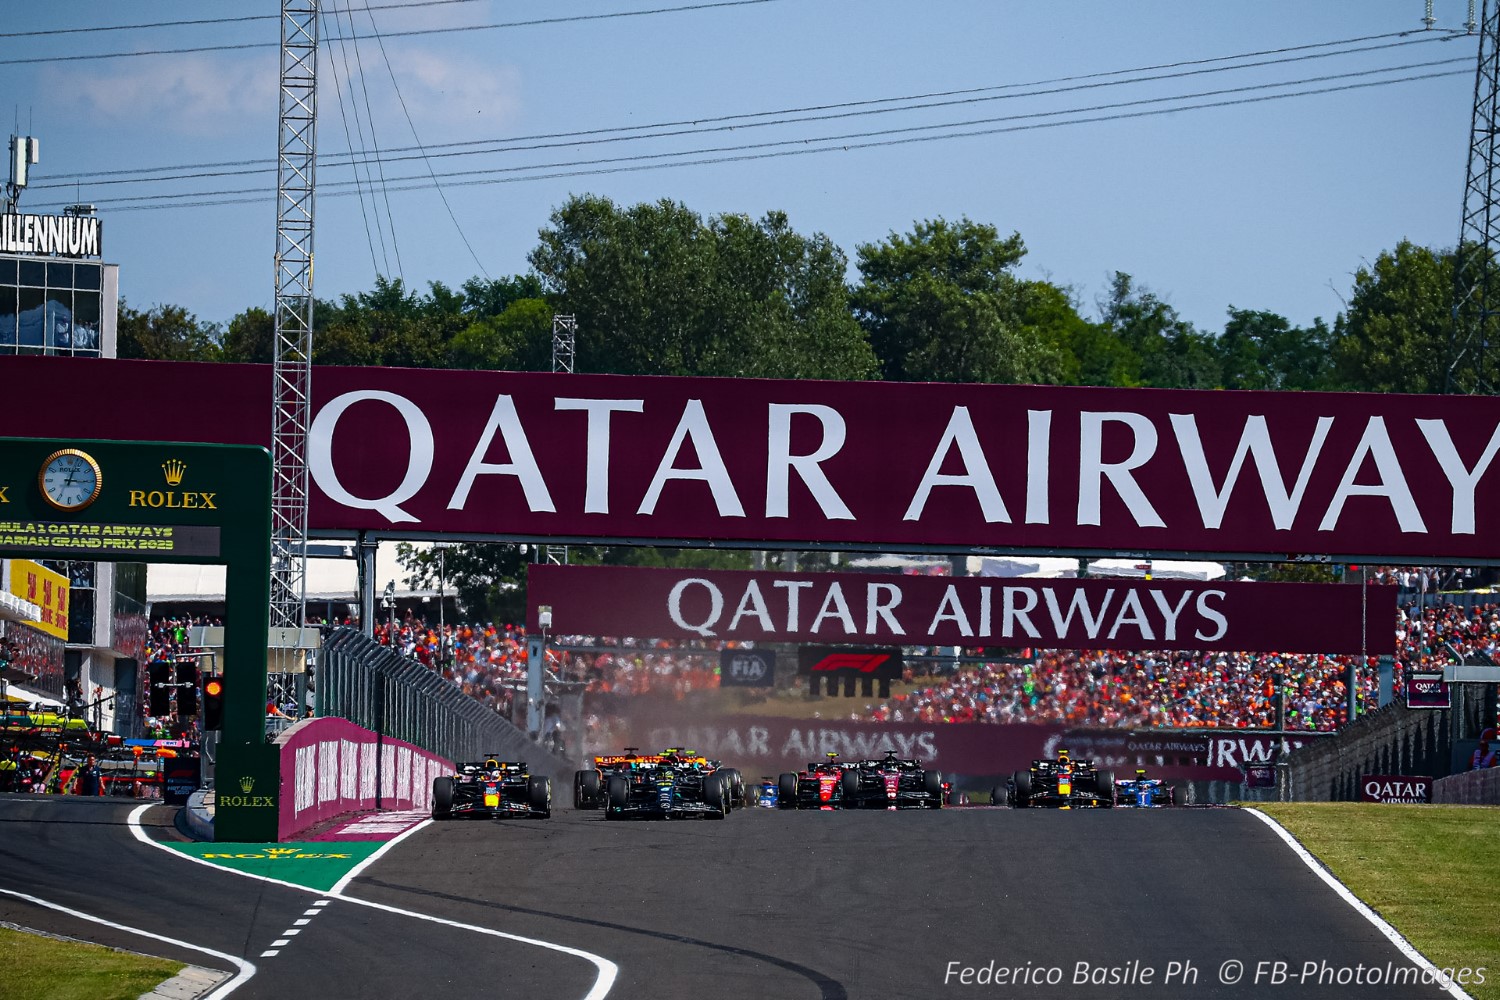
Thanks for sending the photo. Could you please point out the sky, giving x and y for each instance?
(857, 118)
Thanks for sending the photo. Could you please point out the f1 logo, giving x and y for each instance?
(865, 663)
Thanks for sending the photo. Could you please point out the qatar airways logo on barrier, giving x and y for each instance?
(1402, 788)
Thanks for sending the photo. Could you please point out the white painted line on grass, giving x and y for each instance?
(242, 976)
(1394, 936)
(607, 971)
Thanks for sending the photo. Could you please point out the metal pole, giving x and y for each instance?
(366, 552)
(442, 625)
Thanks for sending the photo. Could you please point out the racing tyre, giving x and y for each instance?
(932, 784)
(716, 794)
(442, 798)
(849, 786)
(1022, 786)
(998, 795)
(619, 794)
(586, 790)
(1104, 786)
(786, 791)
(539, 794)
(736, 787)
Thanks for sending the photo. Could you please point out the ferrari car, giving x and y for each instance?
(1142, 792)
(490, 789)
(818, 787)
(891, 783)
(1066, 782)
(668, 790)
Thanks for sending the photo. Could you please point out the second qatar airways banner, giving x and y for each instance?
(979, 611)
(853, 464)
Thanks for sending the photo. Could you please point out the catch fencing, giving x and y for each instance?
(373, 686)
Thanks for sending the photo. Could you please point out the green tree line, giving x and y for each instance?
(659, 289)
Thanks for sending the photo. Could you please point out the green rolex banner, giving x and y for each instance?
(313, 865)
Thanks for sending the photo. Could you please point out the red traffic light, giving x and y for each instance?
(214, 688)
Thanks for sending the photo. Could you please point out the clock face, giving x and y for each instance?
(70, 479)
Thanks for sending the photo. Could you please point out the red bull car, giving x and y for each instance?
(491, 789)
(1065, 783)
(892, 783)
(818, 787)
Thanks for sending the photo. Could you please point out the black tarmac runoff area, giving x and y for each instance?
(764, 905)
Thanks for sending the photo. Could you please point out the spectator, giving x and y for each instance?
(1484, 756)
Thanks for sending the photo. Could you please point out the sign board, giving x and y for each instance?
(747, 668)
(180, 778)
(897, 466)
(965, 611)
(51, 235)
(46, 589)
(1260, 775)
(825, 661)
(1426, 689)
(1406, 788)
(156, 501)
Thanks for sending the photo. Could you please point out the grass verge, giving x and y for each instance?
(1430, 871)
(47, 968)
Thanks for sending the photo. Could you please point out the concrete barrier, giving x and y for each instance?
(1470, 788)
(329, 768)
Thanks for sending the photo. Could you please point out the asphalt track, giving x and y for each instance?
(763, 905)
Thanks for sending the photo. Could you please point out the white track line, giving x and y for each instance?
(1393, 935)
(608, 970)
(246, 970)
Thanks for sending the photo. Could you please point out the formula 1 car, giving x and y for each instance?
(892, 783)
(1142, 792)
(818, 787)
(490, 789)
(768, 795)
(669, 789)
(1066, 783)
(591, 784)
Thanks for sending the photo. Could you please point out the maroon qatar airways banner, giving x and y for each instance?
(890, 465)
(963, 611)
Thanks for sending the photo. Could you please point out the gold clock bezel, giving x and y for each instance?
(41, 478)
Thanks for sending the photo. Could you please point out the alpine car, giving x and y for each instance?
(768, 794)
(818, 787)
(892, 783)
(667, 790)
(490, 789)
(1142, 792)
(1065, 783)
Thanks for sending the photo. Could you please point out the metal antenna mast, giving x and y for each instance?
(1475, 291)
(564, 341)
(292, 375)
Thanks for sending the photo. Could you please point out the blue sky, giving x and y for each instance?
(1266, 205)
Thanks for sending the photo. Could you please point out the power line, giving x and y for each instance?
(763, 151)
(847, 109)
(203, 21)
(570, 19)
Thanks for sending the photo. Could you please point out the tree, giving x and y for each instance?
(659, 291)
(1261, 350)
(1160, 349)
(518, 339)
(165, 333)
(251, 337)
(1394, 336)
(941, 304)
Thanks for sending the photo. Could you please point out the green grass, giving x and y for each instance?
(45, 968)
(1433, 872)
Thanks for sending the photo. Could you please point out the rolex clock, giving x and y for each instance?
(70, 479)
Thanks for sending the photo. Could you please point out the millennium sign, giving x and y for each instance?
(57, 235)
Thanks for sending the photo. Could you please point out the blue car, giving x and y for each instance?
(1142, 792)
(769, 794)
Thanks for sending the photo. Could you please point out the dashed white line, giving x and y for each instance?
(301, 923)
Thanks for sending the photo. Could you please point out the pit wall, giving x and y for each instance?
(329, 768)
(1470, 788)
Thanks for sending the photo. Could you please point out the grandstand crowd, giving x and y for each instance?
(488, 661)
